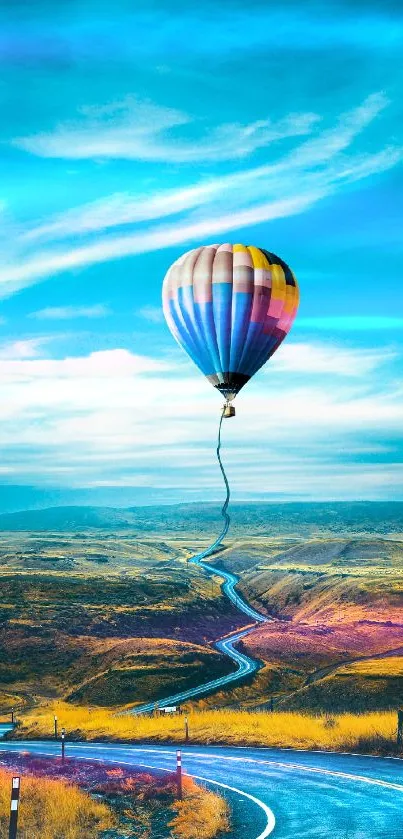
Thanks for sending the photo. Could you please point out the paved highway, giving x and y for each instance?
(245, 665)
(228, 587)
(286, 794)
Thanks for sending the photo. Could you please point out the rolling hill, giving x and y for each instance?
(301, 520)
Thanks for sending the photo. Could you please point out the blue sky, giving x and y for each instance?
(135, 131)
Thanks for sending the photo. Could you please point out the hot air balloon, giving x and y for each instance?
(230, 307)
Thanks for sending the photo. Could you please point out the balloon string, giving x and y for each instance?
(227, 520)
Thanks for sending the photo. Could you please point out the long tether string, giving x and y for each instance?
(227, 520)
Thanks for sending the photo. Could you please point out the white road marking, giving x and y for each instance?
(274, 763)
(271, 820)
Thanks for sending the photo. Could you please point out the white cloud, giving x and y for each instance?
(115, 418)
(98, 310)
(143, 131)
(16, 363)
(28, 348)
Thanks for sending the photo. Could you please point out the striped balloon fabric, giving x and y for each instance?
(230, 307)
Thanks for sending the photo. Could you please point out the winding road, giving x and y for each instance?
(285, 793)
(245, 665)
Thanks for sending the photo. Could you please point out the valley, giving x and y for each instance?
(115, 618)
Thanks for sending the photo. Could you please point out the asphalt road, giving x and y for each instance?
(279, 793)
(228, 587)
(245, 665)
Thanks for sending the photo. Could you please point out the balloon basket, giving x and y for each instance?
(228, 411)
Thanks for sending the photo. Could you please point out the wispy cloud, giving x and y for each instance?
(122, 209)
(136, 130)
(351, 323)
(313, 170)
(52, 262)
(98, 310)
(151, 313)
(28, 348)
(328, 359)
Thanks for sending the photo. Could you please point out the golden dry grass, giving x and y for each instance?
(52, 809)
(389, 667)
(200, 815)
(345, 732)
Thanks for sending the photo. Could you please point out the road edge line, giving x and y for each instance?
(271, 819)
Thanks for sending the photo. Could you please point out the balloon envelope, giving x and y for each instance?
(230, 307)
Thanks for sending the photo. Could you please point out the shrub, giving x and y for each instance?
(53, 809)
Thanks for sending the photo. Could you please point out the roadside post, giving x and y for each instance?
(63, 742)
(15, 799)
(55, 723)
(12, 716)
(179, 773)
(271, 704)
(400, 729)
(186, 730)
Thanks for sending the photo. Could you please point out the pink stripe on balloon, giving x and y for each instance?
(276, 308)
(242, 259)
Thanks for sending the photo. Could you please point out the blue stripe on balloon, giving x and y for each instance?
(187, 307)
(222, 300)
(261, 352)
(182, 334)
(205, 316)
(241, 309)
(249, 350)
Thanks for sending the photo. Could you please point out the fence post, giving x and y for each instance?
(186, 730)
(63, 739)
(55, 723)
(12, 716)
(399, 738)
(179, 773)
(15, 798)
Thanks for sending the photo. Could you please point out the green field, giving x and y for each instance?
(103, 616)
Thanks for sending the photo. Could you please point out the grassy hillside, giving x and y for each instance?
(107, 617)
(378, 681)
(105, 620)
(325, 580)
(335, 600)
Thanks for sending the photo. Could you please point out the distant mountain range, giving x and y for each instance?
(293, 518)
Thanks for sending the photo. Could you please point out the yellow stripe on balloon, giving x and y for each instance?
(258, 258)
(278, 288)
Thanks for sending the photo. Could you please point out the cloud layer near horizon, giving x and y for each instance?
(136, 132)
(116, 419)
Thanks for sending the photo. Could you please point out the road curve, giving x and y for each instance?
(228, 587)
(312, 795)
(245, 664)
